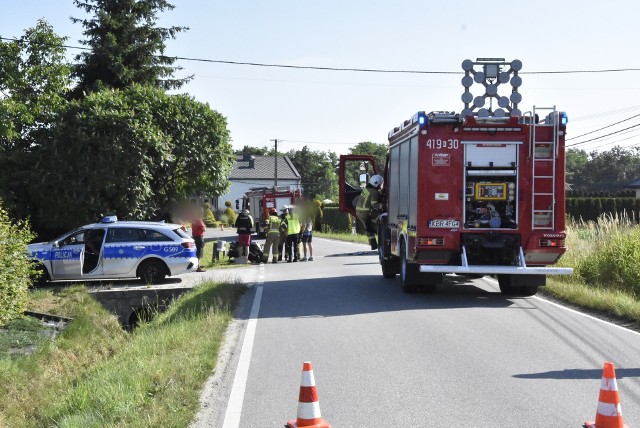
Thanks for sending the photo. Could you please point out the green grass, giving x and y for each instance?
(361, 239)
(95, 374)
(207, 261)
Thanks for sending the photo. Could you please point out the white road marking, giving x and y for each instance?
(236, 399)
(576, 312)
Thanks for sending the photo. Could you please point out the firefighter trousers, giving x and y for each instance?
(292, 247)
(271, 244)
(370, 227)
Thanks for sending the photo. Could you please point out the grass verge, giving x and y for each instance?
(95, 374)
(361, 239)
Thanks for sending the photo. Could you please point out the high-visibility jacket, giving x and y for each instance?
(370, 198)
(293, 223)
(273, 225)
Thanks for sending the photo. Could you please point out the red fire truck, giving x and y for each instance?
(480, 192)
(259, 200)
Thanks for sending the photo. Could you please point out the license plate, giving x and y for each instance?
(444, 224)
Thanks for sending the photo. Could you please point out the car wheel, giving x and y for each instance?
(152, 271)
(405, 274)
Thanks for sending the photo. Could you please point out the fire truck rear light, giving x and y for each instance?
(552, 242)
(431, 241)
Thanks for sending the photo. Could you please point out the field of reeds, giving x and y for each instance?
(605, 256)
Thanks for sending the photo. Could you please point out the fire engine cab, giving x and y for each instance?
(259, 200)
(479, 192)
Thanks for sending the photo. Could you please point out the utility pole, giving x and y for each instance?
(275, 176)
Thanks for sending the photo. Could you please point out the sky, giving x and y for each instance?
(334, 110)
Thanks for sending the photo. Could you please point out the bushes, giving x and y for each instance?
(334, 220)
(209, 218)
(15, 267)
(230, 214)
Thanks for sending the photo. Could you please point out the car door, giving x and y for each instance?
(123, 248)
(67, 257)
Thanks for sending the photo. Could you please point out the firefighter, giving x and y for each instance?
(273, 236)
(283, 232)
(369, 207)
(293, 230)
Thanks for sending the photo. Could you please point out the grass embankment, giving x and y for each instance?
(95, 374)
(605, 257)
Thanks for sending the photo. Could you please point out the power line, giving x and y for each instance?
(352, 69)
(602, 136)
(604, 127)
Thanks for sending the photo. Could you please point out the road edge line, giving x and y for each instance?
(236, 398)
(578, 312)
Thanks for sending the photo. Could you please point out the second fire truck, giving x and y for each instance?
(479, 192)
(259, 200)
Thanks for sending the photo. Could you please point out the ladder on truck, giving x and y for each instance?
(543, 154)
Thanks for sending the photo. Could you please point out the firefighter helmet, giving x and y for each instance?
(284, 208)
(376, 180)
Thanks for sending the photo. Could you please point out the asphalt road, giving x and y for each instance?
(465, 356)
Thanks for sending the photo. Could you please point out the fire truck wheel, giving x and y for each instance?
(389, 265)
(407, 273)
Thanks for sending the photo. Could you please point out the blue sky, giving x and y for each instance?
(331, 110)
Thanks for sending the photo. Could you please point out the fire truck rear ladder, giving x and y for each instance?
(543, 152)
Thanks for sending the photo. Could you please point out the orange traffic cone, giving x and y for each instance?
(608, 414)
(308, 405)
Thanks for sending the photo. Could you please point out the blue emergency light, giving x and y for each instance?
(564, 119)
(109, 219)
(422, 119)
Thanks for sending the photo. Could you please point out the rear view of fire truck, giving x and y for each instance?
(480, 192)
(260, 200)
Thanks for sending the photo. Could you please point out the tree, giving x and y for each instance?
(256, 151)
(126, 46)
(576, 162)
(34, 80)
(377, 150)
(611, 170)
(317, 172)
(132, 153)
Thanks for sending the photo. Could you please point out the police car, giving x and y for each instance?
(114, 249)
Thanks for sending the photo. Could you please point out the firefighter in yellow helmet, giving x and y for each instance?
(369, 206)
(273, 236)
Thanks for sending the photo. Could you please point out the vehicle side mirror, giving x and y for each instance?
(56, 244)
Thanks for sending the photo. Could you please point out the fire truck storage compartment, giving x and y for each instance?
(491, 185)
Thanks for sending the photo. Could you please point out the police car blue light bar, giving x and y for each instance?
(109, 219)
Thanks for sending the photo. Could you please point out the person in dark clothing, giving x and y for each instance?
(369, 207)
(283, 232)
(244, 224)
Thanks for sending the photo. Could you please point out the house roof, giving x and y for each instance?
(263, 167)
(635, 184)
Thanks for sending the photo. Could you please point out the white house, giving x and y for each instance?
(258, 171)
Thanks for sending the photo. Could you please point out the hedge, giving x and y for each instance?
(15, 268)
(334, 220)
(589, 209)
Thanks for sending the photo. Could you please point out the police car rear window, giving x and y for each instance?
(154, 235)
(181, 233)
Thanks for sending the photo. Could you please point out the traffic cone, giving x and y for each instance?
(308, 405)
(608, 414)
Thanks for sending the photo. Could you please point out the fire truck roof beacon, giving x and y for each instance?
(495, 72)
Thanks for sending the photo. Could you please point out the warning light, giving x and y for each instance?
(564, 119)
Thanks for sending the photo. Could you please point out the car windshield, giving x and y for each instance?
(61, 237)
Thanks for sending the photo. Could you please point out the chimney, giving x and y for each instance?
(252, 162)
